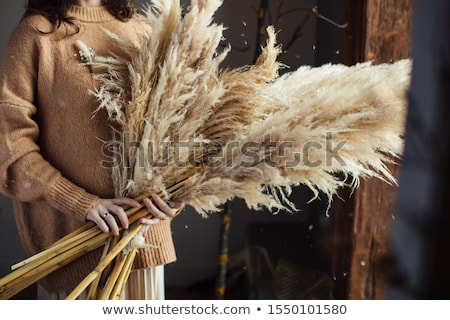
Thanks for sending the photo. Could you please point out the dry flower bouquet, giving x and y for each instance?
(207, 135)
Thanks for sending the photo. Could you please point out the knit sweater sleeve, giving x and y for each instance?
(24, 174)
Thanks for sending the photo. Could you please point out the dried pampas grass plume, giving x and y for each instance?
(187, 129)
(250, 132)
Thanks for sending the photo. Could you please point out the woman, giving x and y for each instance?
(51, 142)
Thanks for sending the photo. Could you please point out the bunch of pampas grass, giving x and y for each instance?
(194, 132)
(252, 133)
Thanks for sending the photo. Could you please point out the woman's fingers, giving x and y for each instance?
(126, 201)
(177, 205)
(162, 209)
(108, 214)
(165, 206)
(112, 223)
(154, 210)
(95, 215)
(148, 221)
(119, 212)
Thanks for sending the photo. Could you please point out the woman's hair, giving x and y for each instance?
(56, 10)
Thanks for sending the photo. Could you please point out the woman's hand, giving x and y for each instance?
(160, 209)
(107, 213)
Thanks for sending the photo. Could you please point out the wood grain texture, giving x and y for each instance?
(388, 30)
(384, 35)
(372, 229)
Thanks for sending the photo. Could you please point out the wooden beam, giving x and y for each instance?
(383, 34)
(388, 30)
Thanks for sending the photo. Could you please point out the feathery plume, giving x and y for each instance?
(254, 133)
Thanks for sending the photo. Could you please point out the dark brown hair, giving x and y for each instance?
(56, 10)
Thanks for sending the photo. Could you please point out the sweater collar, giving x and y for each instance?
(90, 14)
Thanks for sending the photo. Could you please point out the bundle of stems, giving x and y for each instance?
(206, 135)
(81, 241)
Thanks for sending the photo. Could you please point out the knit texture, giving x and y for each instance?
(53, 161)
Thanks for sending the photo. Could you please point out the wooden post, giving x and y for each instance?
(380, 31)
(221, 279)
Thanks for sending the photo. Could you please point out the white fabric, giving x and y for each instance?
(144, 284)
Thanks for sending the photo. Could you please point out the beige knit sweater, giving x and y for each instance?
(52, 144)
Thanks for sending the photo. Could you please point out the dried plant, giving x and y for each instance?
(232, 123)
(190, 130)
